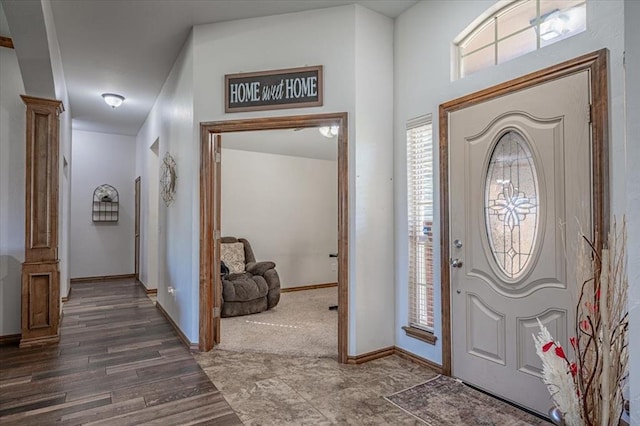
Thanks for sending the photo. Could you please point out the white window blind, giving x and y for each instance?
(420, 220)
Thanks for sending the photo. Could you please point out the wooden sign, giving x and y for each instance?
(277, 89)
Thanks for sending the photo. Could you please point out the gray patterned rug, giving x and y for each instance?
(444, 401)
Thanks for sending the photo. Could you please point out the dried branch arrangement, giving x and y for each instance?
(588, 390)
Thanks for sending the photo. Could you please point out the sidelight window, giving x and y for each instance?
(420, 221)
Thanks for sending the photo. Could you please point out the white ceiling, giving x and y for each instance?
(307, 143)
(128, 47)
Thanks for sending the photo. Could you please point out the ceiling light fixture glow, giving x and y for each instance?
(113, 100)
(554, 25)
(329, 131)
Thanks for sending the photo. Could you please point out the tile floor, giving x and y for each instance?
(265, 389)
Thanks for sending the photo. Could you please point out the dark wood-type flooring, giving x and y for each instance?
(118, 362)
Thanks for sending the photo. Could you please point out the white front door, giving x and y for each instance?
(520, 191)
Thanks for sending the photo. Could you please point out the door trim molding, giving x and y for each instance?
(210, 188)
(137, 185)
(597, 65)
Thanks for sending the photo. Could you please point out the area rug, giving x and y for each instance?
(444, 401)
(300, 325)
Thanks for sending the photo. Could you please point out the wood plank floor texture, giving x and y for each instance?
(118, 362)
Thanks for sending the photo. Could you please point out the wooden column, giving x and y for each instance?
(40, 270)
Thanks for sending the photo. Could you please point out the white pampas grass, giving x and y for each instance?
(589, 391)
(557, 376)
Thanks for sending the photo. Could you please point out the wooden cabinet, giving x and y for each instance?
(40, 271)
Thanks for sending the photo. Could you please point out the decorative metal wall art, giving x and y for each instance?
(168, 179)
(105, 206)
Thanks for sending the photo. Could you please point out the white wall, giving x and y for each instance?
(373, 299)
(42, 74)
(64, 175)
(352, 44)
(632, 65)
(155, 204)
(171, 122)
(423, 36)
(148, 169)
(12, 175)
(193, 93)
(99, 249)
(287, 207)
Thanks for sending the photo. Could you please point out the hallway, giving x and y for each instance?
(118, 362)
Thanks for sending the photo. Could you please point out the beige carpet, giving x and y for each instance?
(301, 324)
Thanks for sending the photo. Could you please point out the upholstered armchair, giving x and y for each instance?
(249, 287)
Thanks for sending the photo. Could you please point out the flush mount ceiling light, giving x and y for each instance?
(329, 131)
(113, 100)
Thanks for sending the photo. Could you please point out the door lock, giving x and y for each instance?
(456, 263)
(457, 243)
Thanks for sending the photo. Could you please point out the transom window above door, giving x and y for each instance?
(518, 28)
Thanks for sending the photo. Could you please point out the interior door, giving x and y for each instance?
(137, 229)
(520, 191)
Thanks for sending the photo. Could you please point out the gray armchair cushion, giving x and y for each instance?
(273, 281)
(244, 287)
(255, 290)
(259, 268)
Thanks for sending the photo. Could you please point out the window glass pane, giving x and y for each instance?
(548, 6)
(558, 24)
(420, 223)
(519, 28)
(477, 61)
(513, 19)
(511, 204)
(517, 45)
(479, 38)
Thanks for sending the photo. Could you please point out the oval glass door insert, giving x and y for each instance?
(511, 204)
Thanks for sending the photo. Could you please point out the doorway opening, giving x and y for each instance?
(210, 216)
(279, 195)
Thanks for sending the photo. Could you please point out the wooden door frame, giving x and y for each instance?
(597, 64)
(136, 224)
(209, 332)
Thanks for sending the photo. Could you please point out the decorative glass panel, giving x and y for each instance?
(511, 204)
